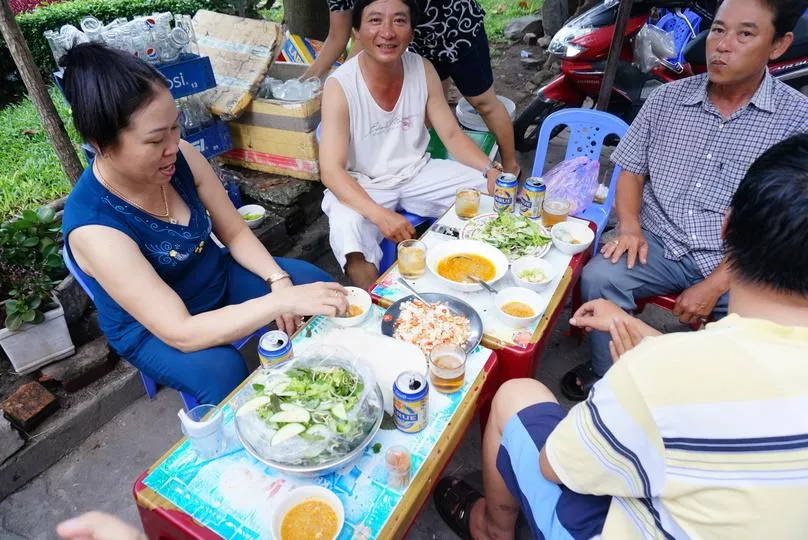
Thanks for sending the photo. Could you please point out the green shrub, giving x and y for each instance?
(52, 17)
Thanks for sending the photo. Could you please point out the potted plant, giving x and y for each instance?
(34, 332)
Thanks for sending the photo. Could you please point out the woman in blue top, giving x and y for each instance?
(139, 223)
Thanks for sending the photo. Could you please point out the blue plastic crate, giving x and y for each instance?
(189, 75)
(211, 141)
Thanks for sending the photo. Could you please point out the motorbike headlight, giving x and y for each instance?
(562, 43)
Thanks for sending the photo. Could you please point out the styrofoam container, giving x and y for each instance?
(435, 254)
(35, 345)
(357, 297)
(582, 234)
(528, 263)
(471, 119)
(517, 294)
(302, 494)
(248, 209)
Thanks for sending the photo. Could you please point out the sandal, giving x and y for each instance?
(577, 382)
(453, 499)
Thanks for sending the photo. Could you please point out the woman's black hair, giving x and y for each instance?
(104, 87)
(360, 5)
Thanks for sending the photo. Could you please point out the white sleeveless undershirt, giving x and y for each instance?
(386, 148)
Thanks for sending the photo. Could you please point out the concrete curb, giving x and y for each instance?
(92, 407)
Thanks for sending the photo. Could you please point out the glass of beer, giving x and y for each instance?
(467, 203)
(554, 211)
(411, 259)
(447, 368)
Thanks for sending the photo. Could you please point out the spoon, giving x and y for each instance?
(475, 279)
(413, 291)
(419, 297)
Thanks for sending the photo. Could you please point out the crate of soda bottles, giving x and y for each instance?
(276, 132)
(172, 50)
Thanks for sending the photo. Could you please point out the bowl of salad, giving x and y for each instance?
(253, 214)
(513, 234)
(312, 415)
(532, 273)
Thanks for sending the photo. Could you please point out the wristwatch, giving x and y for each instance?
(492, 165)
(276, 277)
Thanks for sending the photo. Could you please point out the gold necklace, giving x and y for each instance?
(166, 212)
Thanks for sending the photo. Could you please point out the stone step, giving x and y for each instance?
(80, 415)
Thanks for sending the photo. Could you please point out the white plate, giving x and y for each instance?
(476, 223)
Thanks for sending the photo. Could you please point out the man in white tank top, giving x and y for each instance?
(373, 142)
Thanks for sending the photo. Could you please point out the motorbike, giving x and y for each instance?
(583, 46)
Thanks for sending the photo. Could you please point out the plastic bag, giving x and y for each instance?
(652, 45)
(575, 180)
(329, 398)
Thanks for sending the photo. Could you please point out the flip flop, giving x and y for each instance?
(453, 499)
(577, 382)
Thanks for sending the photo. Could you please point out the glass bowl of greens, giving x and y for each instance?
(312, 415)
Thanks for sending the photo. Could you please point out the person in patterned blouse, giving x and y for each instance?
(451, 35)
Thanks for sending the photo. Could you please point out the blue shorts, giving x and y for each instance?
(471, 73)
(552, 511)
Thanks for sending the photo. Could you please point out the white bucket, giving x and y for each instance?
(471, 119)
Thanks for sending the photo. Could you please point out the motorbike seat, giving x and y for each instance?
(696, 51)
(798, 49)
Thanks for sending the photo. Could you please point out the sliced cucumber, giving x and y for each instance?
(291, 407)
(286, 417)
(252, 405)
(338, 411)
(287, 432)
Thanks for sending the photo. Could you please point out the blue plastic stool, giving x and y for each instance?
(681, 30)
(148, 383)
(588, 128)
(388, 247)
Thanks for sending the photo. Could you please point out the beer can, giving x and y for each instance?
(274, 348)
(411, 402)
(531, 197)
(505, 192)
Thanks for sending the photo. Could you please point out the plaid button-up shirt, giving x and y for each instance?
(693, 159)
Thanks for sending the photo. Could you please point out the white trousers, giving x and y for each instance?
(430, 193)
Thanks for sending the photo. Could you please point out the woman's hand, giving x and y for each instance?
(319, 298)
(288, 322)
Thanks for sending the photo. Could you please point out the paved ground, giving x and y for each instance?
(99, 474)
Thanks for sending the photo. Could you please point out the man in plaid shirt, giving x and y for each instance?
(682, 160)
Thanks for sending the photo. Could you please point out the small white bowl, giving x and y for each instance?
(357, 297)
(441, 251)
(517, 294)
(580, 232)
(529, 263)
(302, 494)
(248, 209)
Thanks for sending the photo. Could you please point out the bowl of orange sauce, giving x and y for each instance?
(308, 512)
(518, 307)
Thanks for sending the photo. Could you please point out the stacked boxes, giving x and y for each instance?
(278, 136)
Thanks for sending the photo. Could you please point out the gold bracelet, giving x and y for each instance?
(274, 278)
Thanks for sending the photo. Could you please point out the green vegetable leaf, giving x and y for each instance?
(258, 387)
(45, 214)
(14, 321)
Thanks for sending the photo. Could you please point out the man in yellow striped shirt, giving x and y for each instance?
(689, 435)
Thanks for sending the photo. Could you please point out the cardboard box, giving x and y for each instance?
(278, 136)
